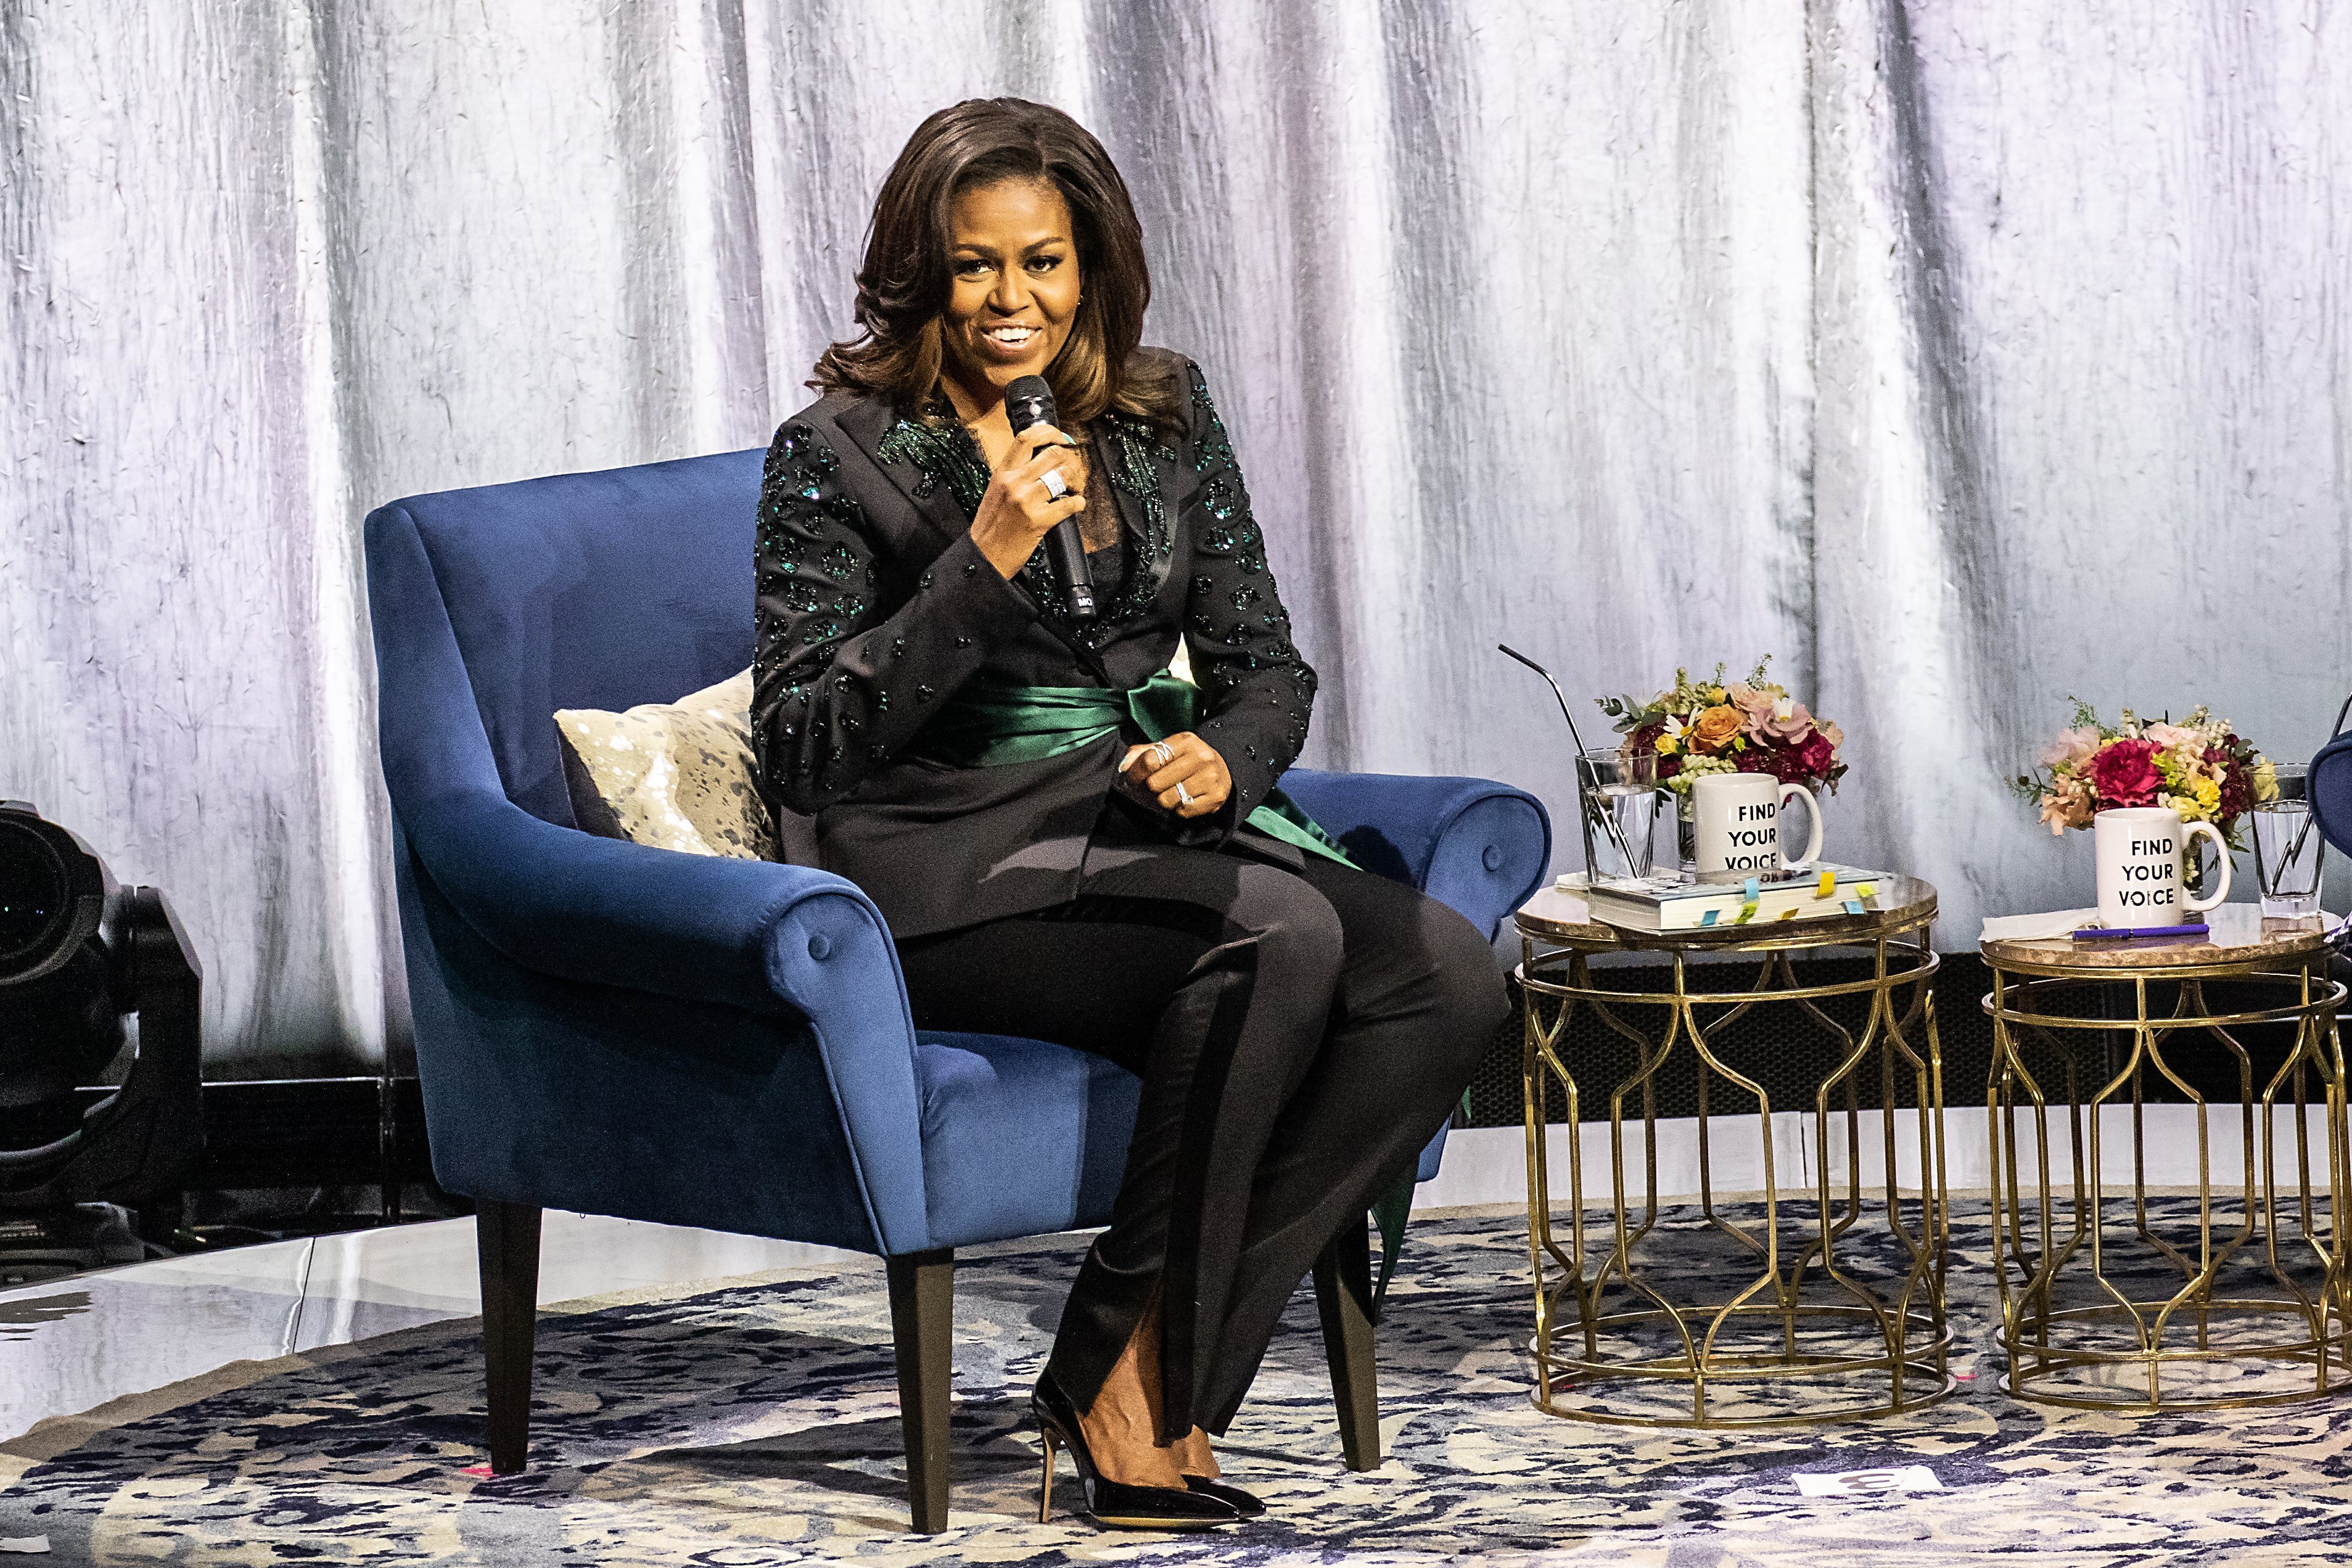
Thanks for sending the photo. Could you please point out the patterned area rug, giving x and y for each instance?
(757, 1424)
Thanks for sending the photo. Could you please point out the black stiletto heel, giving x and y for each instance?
(1110, 1503)
(1243, 1504)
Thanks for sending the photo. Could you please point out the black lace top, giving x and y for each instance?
(873, 603)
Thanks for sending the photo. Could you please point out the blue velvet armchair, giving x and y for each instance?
(618, 1030)
(2330, 786)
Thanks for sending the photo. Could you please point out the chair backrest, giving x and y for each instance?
(2330, 784)
(603, 590)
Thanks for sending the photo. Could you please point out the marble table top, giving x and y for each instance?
(2239, 935)
(1557, 914)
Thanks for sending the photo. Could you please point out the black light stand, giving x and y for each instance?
(78, 954)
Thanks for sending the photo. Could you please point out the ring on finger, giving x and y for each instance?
(1184, 796)
(1054, 484)
(1162, 754)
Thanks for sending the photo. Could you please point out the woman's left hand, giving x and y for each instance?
(1187, 778)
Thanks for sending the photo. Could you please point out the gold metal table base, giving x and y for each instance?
(2104, 1304)
(1787, 1325)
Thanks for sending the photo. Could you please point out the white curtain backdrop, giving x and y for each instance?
(1961, 356)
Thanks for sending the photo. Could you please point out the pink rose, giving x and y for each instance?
(2071, 749)
(2124, 772)
(1775, 721)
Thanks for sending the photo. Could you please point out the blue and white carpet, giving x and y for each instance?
(757, 1424)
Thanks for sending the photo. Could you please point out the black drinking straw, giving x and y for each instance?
(1608, 820)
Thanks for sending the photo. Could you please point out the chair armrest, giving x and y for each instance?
(785, 941)
(610, 913)
(782, 940)
(1478, 847)
(2330, 783)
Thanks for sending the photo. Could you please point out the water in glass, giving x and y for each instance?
(2286, 859)
(2287, 849)
(1620, 790)
(1634, 809)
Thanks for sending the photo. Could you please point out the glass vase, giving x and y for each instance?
(2195, 874)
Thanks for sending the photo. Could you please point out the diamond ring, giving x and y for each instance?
(1183, 797)
(1054, 484)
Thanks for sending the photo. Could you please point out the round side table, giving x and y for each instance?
(2232, 1292)
(1800, 1304)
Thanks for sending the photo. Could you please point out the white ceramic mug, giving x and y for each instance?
(1736, 821)
(2141, 849)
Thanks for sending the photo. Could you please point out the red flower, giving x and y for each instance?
(1644, 737)
(1806, 761)
(2123, 773)
(2237, 786)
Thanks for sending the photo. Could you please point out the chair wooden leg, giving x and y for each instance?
(506, 1241)
(922, 1329)
(1343, 1296)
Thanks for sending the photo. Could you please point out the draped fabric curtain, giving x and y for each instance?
(1963, 357)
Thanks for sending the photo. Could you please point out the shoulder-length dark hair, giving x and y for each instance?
(903, 287)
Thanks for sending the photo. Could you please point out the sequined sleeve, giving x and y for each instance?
(1257, 689)
(849, 654)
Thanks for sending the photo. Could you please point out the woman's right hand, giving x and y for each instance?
(1019, 509)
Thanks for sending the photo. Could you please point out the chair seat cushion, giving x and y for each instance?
(1019, 1138)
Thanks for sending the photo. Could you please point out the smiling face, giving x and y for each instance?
(1014, 261)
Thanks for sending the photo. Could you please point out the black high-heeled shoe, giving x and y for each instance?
(1109, 1502)
(1243, 1504)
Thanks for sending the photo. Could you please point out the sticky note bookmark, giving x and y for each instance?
(1866, 890)
(1746, 912)
(1827, 885)
(1854, 906)
(1787, 913)
(1753, 889)
(1706, 917)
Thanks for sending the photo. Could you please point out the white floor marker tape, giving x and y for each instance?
(1868, 1483)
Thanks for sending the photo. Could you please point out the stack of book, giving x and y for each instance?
(1820, 891)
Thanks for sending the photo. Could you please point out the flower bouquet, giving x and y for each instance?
(2200, 767)
(1714, 725)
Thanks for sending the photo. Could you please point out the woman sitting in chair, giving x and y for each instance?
(1069, 841)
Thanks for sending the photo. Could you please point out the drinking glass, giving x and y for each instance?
(2287, 850)
(1619, 791)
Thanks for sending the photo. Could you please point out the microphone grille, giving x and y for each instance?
(1028, 401)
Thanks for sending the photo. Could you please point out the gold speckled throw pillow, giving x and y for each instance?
(675, 775)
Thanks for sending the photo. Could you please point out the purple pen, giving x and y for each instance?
(2130, 933)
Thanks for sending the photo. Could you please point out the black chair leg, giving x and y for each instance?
(505, 1239)
(1343, 1296)
(922, 1329)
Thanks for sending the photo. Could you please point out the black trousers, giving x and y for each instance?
(1300, 1036)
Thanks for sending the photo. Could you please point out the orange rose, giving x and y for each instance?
(1715, 728)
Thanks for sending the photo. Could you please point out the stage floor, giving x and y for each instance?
(68, 1345)
(708, 1401)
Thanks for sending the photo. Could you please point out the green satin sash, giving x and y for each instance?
(988, 724)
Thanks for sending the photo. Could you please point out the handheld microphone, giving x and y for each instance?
(1027, 401)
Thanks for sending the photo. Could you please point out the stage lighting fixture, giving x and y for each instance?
(78, 954)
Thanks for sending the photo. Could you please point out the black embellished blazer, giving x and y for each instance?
(875, 605)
